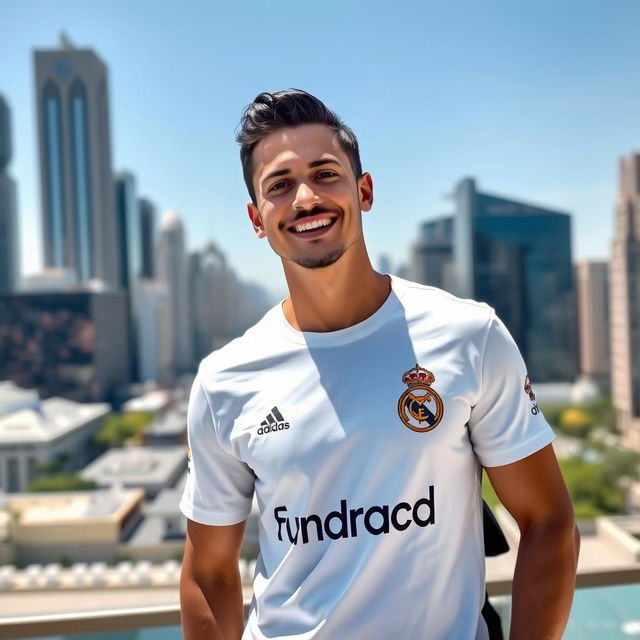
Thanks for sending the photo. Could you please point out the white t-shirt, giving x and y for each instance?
(364, 447)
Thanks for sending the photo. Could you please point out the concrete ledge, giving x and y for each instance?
(169, 615)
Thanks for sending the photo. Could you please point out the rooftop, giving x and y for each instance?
(137, 465)
(48, 420)
(71, 506)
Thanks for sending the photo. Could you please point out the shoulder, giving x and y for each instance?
(443, 308)
(258, 343)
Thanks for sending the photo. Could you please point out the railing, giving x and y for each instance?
(164, 616)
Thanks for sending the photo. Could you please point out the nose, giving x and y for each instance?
(305, 197)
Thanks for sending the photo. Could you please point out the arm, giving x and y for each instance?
(534, 493)
(210, 584)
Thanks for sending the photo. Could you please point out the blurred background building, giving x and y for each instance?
(71, 344)
(172, 271)
(76, 177)
(592, 294)
(516, 257)
(625, 302)
(9, 244)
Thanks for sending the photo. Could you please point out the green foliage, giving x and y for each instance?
(118, 429)
(580, 420)
(576, 422)
(552, 413)
(592, 489)
(64, 559)
(61, 482)
(618, 465)
(488, 493)
(52, 467)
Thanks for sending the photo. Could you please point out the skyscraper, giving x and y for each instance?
(517, 258)
(9, 242)
(592, 292)
(76, 178)
(625, 303)
(147, 237)
(173, 271)
(431, 259)
(128, 226)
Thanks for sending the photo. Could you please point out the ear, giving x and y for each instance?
(256, 220)
(365, 192)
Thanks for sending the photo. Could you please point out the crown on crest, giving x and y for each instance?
(417, 375)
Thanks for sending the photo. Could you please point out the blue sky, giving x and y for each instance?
(536, 100)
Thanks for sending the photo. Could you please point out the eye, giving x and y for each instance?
(278, 185)
(326, 173)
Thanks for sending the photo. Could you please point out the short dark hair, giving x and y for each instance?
(292, 107)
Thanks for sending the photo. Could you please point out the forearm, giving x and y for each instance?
(211, 609)
(544, 580)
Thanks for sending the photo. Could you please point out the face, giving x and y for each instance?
(308, 200)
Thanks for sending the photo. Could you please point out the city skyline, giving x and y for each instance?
(541, 112)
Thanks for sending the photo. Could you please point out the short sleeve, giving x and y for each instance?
(219, 487)
(505, 424)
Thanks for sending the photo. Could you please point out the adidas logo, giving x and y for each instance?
(272, 423)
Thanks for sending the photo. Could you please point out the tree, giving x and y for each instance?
(61, 482)
(593, 492)
(118, 429)
(577, 422)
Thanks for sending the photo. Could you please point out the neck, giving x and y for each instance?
(334, 297)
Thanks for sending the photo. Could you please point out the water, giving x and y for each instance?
(603, 613)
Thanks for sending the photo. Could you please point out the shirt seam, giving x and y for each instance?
(539, 436)
(185, 502)
(492, 316)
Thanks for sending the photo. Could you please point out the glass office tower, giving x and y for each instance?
(517, 258)
(79, 225)
(9, 243)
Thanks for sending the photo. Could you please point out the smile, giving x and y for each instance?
(314, 224)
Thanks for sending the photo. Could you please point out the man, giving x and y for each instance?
(360, 411)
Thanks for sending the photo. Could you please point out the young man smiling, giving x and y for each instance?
(361, 411)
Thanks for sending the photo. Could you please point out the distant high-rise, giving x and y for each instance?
(9, 241)
(147, 236)
(129, 242)
(172, 270)
(592, 292)
(76, 178)
(431, 259)
(73, 344)
(624, 279)
(155, 340)
(517, 258)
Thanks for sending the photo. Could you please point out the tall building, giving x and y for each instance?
(592, 295)
(517, 258)
(625, 303)
(172, 270)
(76, 178)
(431, 260)
(129, 232)
(147, 237)
(155, 339)
(9, 241)
(72, 344)
(129, 254)
(223, 306)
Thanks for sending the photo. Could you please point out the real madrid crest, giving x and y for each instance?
(420, 408)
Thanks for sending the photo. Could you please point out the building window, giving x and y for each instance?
(81, 173)
(54, 173)
(13, 477)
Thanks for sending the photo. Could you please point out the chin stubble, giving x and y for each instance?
(319, 263)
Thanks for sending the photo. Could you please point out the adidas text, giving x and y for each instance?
(278, 426)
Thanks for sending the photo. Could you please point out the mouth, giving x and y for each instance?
(312, 226)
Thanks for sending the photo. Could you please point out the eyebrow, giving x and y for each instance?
(312, 165)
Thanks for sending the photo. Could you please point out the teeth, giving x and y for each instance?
(307, 226)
